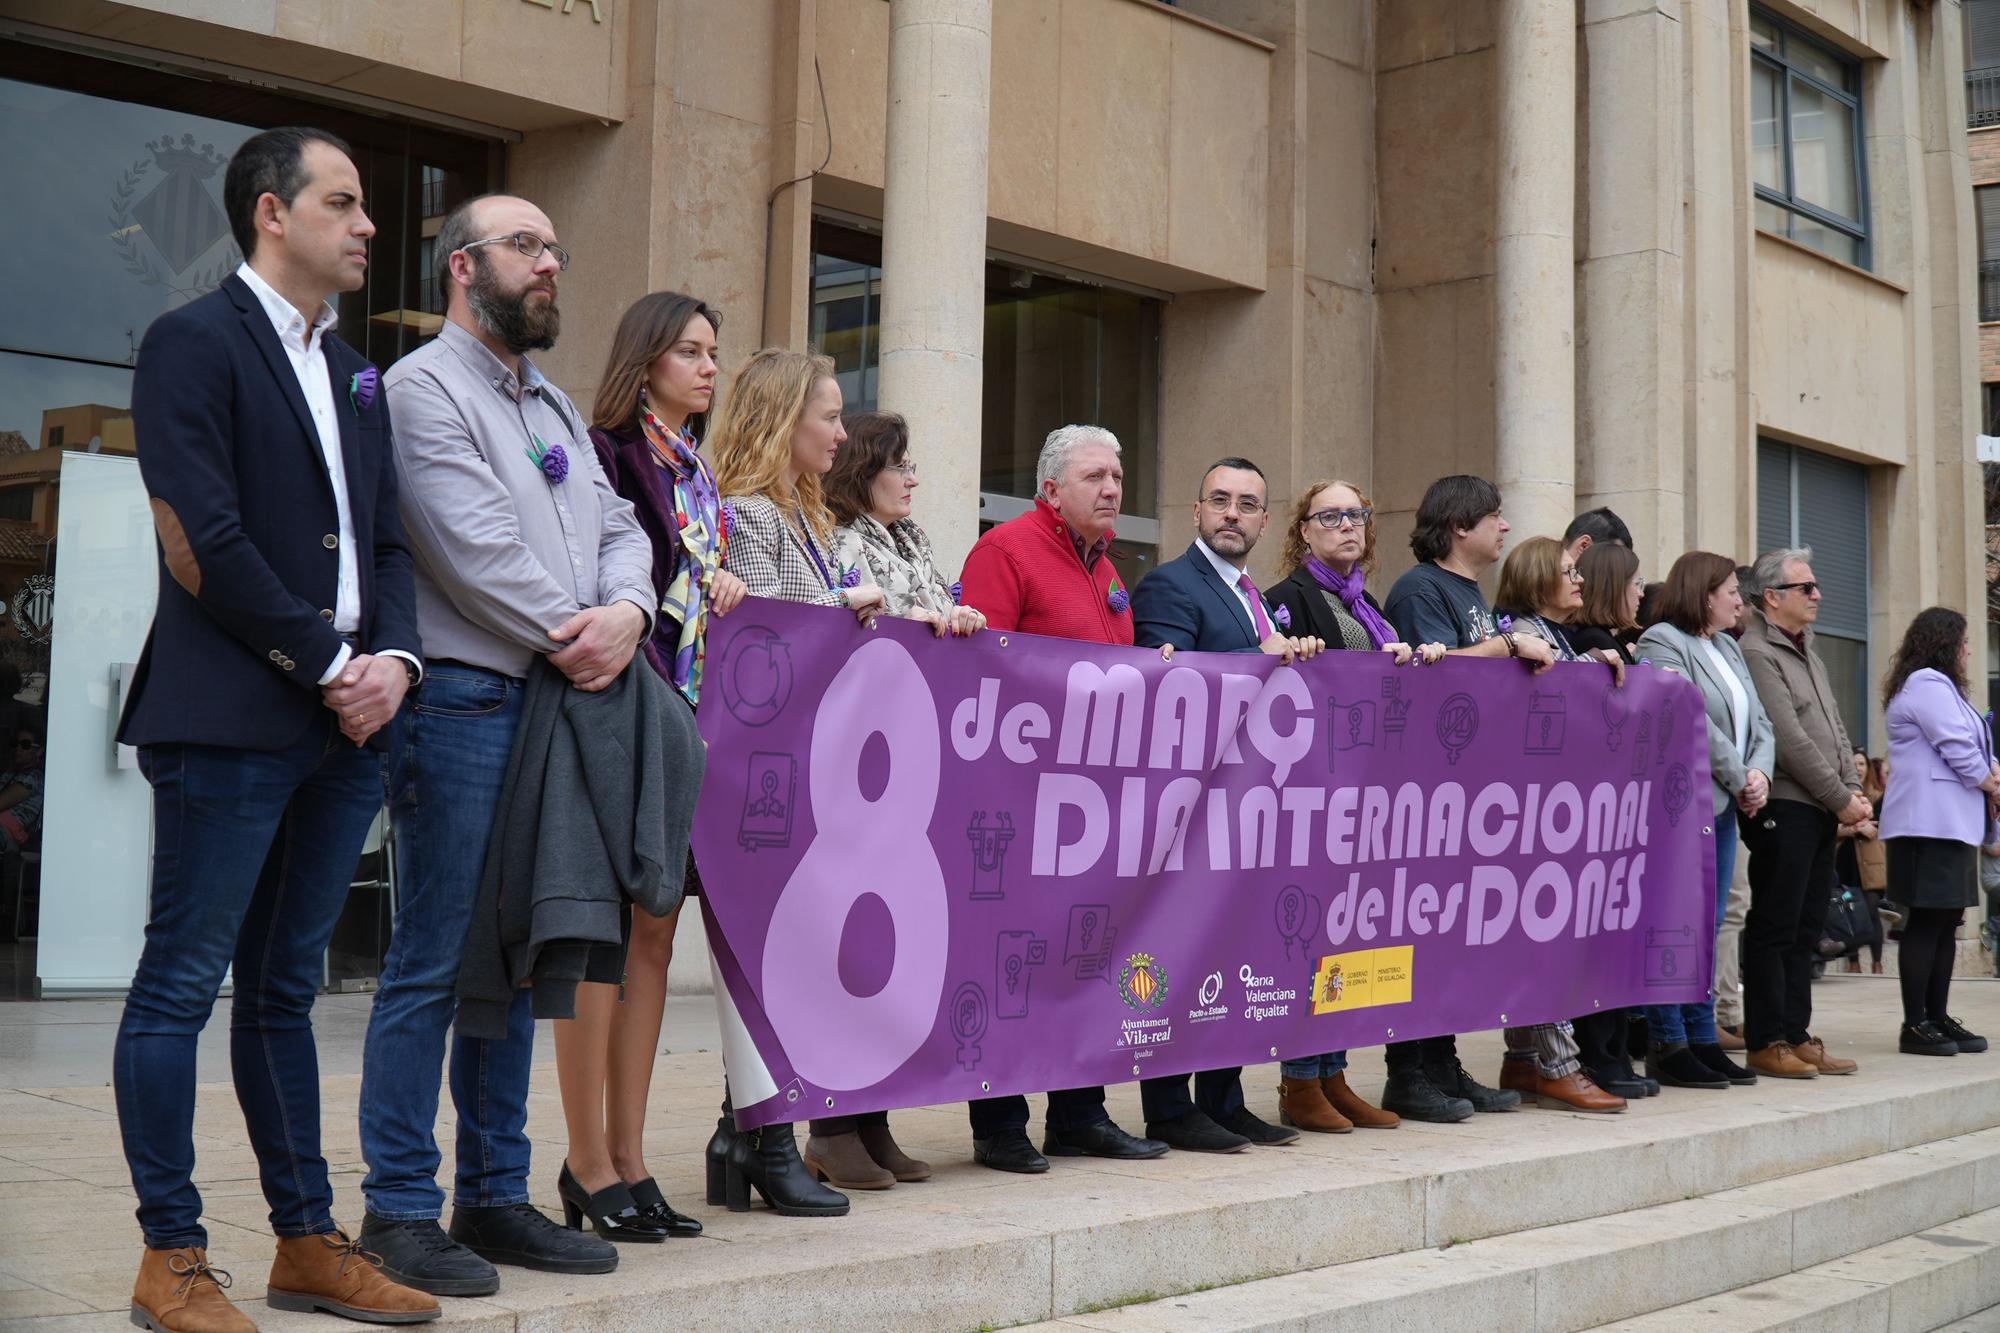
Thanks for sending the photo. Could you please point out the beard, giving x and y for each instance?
(507, 316)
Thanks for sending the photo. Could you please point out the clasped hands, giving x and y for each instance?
(366, 694)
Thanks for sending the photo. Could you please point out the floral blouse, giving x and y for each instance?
(898, 560)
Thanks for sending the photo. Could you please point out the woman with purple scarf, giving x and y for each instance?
(657, 385)
(1330, 551)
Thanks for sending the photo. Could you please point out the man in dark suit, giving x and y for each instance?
(284, 639)
(1206, 601)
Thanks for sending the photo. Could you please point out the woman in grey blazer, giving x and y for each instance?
(1698, 605)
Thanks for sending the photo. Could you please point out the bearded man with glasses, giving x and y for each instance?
(1814, 789)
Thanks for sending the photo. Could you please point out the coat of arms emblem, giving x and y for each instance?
(1143, 982)
(161, 233)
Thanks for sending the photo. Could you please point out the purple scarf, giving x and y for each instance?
(1349, 590)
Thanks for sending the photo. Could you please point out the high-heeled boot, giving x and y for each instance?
(767, 1159)
(716, 1156)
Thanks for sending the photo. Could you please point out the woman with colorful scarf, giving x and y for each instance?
(1330, 550)
(657, 385)
(869, 491)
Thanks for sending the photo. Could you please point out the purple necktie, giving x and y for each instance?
(1257, 615)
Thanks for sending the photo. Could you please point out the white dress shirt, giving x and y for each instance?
(302, 345)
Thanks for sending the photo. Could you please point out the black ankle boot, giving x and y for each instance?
(717, 1155)
(1678, 1067)
(768, 1160)
(1718, 1059)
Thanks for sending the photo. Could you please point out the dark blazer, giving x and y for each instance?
(248, 533)
(1306, 600)
(1184, 602)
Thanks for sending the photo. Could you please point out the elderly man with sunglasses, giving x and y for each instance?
(1791, 841)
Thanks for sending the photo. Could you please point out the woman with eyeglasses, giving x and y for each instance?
(1330, 551)
(870, 490)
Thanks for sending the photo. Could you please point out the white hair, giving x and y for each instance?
(1053, 464)
(1769, 571)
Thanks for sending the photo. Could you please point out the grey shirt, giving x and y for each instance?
(503, 555)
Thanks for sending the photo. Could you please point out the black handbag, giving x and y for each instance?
(1850, 925)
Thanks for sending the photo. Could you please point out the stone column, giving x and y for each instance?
(1534, 247)
(934, 253)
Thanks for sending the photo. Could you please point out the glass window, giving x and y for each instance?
(1057, 352)
(125, 222)
(1806, 141)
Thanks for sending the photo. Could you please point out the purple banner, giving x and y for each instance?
(940, 870)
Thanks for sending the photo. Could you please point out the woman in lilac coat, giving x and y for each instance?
(1936, 814)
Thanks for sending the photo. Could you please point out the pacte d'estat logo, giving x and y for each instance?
(1142, 984)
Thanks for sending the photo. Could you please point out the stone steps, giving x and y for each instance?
(1908, 1239)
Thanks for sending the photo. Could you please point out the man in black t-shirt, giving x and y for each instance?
(1458, 536)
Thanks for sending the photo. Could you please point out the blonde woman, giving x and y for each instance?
(774, 439)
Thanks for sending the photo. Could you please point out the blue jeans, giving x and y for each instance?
(1695, 1023)
(1315, 1066)
(253, 852)
(447, 761)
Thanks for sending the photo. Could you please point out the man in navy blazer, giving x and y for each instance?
(284, 639)
(1206, 602)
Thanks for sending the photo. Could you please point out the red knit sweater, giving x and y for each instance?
(1026, 575)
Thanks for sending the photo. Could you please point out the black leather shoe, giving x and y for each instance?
(1195, 1132)
(1718, 1060)
(521, 1235)
(1678, 1067)
(1103, 1139)
(418, 1254)
(1010, 1150)
(1260, 1132)
(653, 1205)
(1451, 1079)
(1414, 1097)
(1925, 1039)
(1617, 1083)
(1968, 1043)
(612, 1212)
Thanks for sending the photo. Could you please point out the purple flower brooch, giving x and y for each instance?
(552, 459)
(361, 387)
(1283, 615)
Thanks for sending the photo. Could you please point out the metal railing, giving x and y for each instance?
(1982, 97)
(1989, 290)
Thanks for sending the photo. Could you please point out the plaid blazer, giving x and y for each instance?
(771, 559)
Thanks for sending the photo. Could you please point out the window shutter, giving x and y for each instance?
(1982, 34)
(1774, 498)
(1833, 520)
(1987, 199)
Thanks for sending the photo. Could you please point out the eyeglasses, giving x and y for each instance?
(1333, 518)
(1809, 587)
(1220, 503)
(528, 244)
(1573, 574)
(909, 470)
(27, 743)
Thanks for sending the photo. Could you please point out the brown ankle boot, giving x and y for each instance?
(332, 1273)
(841, 1161)
(177, 1292)
(1349, 1104)
(887, 1154)
(1302, 1102)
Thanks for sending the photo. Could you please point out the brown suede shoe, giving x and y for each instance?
(1729, 1039)
(841, 1161)
(1302, 1102)
(1778, 1061)
(332, 1273)
(1519, 1076)
(1813, 1051)
(889, 1155)
(177, 1292)
(1575, 1092)
(1351, 1106)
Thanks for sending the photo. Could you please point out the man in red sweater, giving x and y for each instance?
(1049, 572)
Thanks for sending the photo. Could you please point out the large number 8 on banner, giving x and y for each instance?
(832, 1037)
